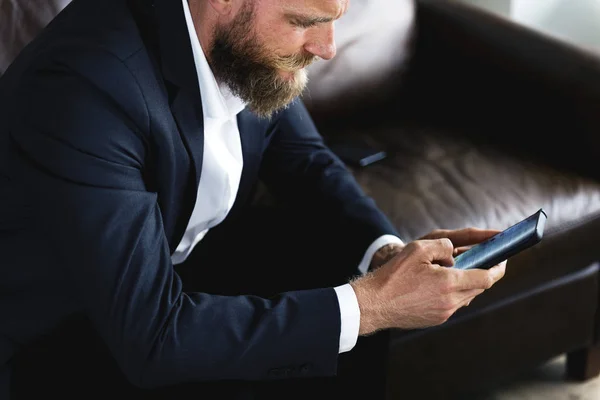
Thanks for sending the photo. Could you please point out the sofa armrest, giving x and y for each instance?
(504, 84)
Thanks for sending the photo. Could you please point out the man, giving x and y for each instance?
(133, 135)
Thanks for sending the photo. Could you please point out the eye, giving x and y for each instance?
(302, 24)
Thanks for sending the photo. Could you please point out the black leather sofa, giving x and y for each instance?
(486, 122)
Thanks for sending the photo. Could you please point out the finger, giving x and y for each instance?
(467, 296)
(437, 251)
(460, 250)
(480, 278)
(499, 270)
(470, 236)
(435, 234)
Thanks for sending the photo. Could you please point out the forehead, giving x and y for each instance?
(326, 8)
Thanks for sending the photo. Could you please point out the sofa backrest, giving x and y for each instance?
(20, 22)
(374, 42)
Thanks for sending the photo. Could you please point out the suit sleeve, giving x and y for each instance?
(299, 168)
(80, 148)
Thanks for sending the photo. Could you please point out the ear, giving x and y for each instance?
(222, 7)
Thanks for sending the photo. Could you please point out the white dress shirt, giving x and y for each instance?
(220, 178)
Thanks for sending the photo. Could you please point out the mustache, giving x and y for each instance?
(294, 62)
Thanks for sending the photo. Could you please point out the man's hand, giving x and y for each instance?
(385, 254)
(416, 289)
(462, 239)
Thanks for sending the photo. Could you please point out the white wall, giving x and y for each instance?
(501, 7)
(577, 21)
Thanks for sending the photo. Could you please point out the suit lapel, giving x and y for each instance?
(252, 138)
(178, 68)
(179, 71)
(188, 116)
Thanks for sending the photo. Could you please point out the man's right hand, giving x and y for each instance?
(416, 289)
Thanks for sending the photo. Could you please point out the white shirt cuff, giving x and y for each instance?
(349, 309)
(350, 317)
(381, 241)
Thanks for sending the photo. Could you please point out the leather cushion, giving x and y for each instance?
(435, 180)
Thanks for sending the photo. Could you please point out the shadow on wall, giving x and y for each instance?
(20, 21)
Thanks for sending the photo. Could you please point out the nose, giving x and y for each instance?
(323, 44)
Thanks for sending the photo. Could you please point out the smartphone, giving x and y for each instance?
(505, 244)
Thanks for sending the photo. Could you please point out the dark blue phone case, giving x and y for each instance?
(505, 244)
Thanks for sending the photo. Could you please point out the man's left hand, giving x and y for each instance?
(462, 239)
(384, 254)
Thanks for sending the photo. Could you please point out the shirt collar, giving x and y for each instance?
(217, 100)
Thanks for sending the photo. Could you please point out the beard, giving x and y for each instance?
(252, 71)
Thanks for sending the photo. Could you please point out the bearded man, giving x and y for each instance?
(133, 260)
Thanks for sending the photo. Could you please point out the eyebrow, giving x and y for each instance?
(308, 20)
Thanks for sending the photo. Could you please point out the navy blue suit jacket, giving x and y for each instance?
(101, 144)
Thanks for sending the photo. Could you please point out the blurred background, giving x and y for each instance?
(576, 21)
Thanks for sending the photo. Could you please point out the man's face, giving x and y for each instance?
(262, 52)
